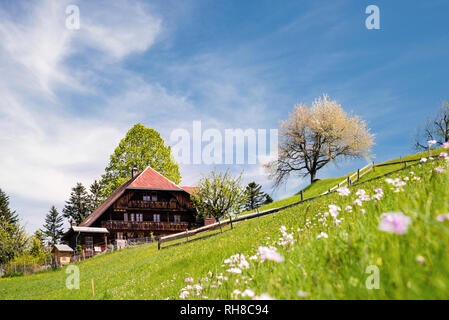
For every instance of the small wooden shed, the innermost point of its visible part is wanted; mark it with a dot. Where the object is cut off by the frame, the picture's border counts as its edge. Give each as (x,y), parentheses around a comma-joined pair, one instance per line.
(62,254)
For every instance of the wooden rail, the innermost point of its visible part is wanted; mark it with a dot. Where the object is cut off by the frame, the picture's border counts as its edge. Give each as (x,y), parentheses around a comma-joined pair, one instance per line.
(219,225)
(144,225)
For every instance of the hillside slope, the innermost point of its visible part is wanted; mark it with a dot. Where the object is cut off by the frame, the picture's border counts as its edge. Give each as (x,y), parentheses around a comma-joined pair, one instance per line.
(318,256)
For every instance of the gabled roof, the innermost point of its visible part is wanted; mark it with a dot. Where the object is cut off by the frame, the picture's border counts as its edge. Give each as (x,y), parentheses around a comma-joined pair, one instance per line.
(62,248)
(148,179)
(188,189)
(153,180)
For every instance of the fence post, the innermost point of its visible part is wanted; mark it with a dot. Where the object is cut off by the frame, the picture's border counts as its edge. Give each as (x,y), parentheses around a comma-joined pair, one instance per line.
(349,181)
(302,195)
(159,244)
(405,164)
(374,168)
(187,233)
(230,219)
(358,174)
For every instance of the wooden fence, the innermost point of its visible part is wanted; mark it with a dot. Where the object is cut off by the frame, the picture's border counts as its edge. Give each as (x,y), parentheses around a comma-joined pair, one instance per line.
(351,180)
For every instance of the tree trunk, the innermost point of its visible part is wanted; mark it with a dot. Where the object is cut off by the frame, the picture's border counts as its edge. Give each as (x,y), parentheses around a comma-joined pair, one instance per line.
(312,176)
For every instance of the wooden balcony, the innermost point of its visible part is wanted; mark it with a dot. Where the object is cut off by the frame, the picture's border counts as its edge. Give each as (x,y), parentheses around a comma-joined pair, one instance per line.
(140,226)
(139,204)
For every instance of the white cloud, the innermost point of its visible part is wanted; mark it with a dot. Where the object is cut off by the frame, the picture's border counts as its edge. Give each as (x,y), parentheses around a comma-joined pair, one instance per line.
(46,145)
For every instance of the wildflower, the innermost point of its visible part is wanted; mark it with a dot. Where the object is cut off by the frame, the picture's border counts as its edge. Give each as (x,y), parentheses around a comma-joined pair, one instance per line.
(358,202)
(271,253)
(302,294)
(442,155)
(378,196)
(423,160)
(264,296)
(431,142)
(360,192)
(248,293)
(438,169)
(234,270)
(337,222)
(348,208)
(363,211)
(189,279)
(184,294)
(322,235)
(420,259)
(443,217)
(394,222)
(446,145)
(333,210)
(343,191)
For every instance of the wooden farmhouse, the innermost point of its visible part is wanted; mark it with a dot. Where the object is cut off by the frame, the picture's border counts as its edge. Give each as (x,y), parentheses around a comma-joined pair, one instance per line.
(147,205)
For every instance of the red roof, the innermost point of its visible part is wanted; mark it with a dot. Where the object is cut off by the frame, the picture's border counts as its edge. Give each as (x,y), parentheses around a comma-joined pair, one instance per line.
(151,179)
(189,189)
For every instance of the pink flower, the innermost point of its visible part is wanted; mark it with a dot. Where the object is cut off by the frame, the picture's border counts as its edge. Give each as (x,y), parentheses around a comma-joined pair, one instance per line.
(446,145)
(189,279)
(333,210)
(264,296)
(184,294)
(443,217)
(358,202)
(438,169)
(442,155)
(423,160)
(348,208)
(234,270)
(431,142)
(360,192)
(271,253)
(394,222)
(343,191)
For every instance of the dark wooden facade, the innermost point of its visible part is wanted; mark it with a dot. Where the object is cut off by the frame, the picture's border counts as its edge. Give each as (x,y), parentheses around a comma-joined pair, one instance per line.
(144,213)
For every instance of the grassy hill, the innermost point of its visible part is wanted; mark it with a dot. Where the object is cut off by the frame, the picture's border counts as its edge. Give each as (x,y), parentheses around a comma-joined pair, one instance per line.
(337,265)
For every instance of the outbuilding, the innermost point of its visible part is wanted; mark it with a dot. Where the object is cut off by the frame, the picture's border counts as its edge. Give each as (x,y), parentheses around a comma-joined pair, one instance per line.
(62,254)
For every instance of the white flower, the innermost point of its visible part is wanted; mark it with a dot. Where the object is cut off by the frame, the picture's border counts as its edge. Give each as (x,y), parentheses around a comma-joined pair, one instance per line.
(348,208)
(264,296)
(248,293)
(343,191)
(322,235)
(271,253)
(302,294)
(184,294)
(234,270)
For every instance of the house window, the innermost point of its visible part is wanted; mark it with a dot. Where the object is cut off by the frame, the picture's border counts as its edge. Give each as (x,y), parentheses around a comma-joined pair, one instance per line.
(139,217)
(132,217)
(150,196)
(157,218)
(125,217)
(89,241)
(177,218)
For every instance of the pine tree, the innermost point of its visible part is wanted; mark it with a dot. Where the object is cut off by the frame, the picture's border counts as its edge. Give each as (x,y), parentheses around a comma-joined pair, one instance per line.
(255,197)
(268,199)
(77,207)
(6,214)
(95,197)
(53,226)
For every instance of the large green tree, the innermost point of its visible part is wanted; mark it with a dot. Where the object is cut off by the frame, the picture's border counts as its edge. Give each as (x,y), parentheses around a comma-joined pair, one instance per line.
(96,195)
(6,214)
(13,239)
(78,206)
(53,226)
(141,147)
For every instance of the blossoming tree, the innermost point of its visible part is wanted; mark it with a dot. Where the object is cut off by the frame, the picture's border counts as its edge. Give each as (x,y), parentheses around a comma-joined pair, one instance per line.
(218,195)
(314,136)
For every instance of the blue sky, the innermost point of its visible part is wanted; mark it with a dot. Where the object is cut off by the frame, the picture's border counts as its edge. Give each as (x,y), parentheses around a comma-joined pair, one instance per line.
(69,96)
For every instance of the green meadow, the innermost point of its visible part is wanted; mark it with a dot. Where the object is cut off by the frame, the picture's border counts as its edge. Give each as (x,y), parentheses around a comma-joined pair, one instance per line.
(322,259)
